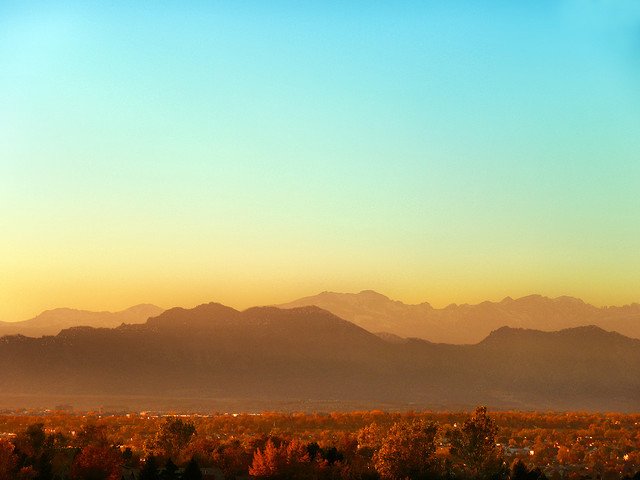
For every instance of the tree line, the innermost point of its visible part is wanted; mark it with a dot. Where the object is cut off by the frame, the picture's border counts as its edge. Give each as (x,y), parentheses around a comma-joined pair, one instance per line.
(360,445)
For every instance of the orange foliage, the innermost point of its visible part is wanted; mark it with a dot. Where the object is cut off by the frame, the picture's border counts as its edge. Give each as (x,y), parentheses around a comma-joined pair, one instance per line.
(97,463)
(8,460)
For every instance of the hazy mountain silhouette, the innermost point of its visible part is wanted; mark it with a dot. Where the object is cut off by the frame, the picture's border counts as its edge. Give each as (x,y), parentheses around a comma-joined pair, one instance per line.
(465,323)
(306,355)
(51,322)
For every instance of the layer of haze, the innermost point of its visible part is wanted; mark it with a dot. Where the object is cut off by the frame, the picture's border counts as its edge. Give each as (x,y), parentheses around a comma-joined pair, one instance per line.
(255,152)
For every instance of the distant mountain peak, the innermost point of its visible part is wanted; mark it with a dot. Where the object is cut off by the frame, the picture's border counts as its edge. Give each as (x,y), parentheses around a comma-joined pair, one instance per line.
(541,299)
(373,295)
(533,298)
(75,331)
(569,300)
(142,307)
(587,334)
(51,322)
(471,323)
(199,315)
(581,329)
(593,331)
(66,310)
(304,309)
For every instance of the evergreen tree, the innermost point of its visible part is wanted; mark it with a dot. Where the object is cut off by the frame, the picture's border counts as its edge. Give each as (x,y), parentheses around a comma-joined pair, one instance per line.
(519,471)
(170,471)
(150,469)
(192,472)
(44,467)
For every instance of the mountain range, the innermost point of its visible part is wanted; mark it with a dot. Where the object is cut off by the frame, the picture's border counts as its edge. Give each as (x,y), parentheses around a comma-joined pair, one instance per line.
(51,322)
(468,324)
(455,324)
(304,357)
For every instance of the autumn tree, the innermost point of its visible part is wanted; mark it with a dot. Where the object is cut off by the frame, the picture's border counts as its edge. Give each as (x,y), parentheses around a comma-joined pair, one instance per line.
(92,434)
(267,462)
(474,445)
(31,442)
(298,460)
(288,460)
(232,458)
(407,452)
(34,447)
(174,435)
(369,439)
(519,471)
(96,462)
(27,473)
(8,461)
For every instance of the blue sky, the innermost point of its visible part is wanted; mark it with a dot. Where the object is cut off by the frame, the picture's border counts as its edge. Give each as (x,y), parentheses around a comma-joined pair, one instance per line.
(252,152)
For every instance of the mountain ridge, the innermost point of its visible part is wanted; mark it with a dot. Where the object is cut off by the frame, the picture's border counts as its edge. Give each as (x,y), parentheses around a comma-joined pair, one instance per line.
(307,356)
(52,321)
(470,323)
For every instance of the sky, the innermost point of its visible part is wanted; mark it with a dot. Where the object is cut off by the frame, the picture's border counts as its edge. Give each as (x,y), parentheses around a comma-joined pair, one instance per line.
(252,152)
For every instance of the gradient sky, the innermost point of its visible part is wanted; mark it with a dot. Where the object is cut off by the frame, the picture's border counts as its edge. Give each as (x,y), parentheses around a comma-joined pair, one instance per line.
(255,152)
